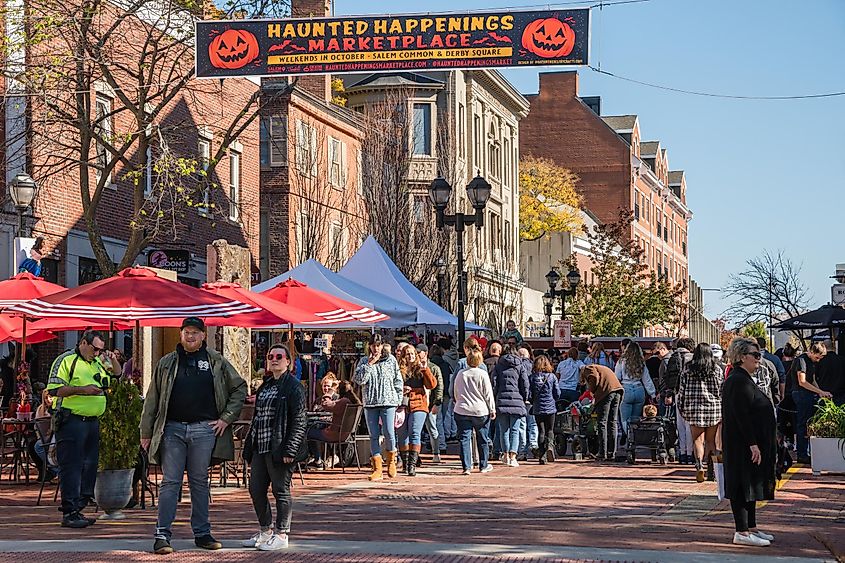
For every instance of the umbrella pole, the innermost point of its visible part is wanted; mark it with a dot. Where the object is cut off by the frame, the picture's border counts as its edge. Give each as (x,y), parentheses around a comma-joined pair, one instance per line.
(136,350)
(291,346)
(109,344)
(23,340)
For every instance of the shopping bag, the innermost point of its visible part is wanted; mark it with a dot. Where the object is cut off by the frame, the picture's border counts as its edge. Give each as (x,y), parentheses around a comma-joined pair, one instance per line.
(719,470)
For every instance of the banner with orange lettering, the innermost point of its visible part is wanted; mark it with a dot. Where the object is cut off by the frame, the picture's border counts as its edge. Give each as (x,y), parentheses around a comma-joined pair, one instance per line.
(388,43)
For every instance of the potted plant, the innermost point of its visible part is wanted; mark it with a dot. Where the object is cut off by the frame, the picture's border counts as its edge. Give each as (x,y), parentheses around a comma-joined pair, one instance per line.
(827,438)
(119,447)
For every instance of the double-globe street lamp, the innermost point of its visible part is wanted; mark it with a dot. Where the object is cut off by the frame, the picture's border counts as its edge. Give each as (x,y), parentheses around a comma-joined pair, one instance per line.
(478,192)
(22,191)
(553,277)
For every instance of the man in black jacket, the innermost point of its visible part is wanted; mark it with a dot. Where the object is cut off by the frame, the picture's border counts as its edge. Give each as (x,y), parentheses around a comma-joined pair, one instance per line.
(670,379)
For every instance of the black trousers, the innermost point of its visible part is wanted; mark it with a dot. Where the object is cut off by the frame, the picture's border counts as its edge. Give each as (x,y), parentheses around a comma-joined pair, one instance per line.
(607,415)
(745,514)
(265,474)
(78,451)
(545,432)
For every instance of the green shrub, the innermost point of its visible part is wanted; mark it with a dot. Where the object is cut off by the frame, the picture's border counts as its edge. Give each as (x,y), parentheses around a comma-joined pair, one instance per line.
(119,436)
(829,421)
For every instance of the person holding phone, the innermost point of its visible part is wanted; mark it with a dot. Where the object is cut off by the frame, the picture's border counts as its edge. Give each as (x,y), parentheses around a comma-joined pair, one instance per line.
(749,443)
(382,388)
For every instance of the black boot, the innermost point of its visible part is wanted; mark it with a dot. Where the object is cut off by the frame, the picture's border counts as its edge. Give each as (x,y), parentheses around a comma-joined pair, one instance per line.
(404,457)
(412,463)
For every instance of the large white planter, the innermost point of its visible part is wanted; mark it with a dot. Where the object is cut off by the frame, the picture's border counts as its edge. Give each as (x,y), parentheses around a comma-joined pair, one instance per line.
(827,454)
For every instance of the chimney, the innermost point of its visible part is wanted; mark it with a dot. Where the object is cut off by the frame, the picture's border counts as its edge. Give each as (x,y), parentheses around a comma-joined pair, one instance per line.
(319,85)
(559,84)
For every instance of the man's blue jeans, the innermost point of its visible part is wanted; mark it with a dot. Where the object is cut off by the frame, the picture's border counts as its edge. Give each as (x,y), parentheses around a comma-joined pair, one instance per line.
(185,447)
(805,404)
(528,434)
(466,424)
(385,416)
(509,431)
(77,450)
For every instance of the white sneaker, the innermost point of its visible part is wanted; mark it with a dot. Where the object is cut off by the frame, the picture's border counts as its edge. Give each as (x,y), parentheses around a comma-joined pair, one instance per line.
(504,459)
(513,463)
(750,539)
(275,543)
(258,539)
(768,537)
(466,472)
(436,458)
(487,468)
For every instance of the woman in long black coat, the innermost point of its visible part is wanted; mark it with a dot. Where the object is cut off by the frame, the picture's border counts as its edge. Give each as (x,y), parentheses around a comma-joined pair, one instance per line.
(748,443)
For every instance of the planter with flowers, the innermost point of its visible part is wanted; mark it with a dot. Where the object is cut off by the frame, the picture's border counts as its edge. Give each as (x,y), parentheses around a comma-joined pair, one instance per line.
(827,438)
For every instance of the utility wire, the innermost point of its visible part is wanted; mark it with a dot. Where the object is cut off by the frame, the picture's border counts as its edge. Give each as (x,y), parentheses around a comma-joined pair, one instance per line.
(713,94)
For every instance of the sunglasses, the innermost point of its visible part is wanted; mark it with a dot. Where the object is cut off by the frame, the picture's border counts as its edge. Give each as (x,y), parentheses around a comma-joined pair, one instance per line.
(757,355)
(97,350)
(276,357)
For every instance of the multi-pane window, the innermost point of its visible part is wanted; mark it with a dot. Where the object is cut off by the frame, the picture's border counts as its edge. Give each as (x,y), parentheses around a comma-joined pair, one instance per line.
(477,134)
(234,185)
(506,170)
(636,205)
(274,141)
(359,180)
(105,129)
(306,149)
(336,243)
(462,131)
(337,162)
(422,130)
(204,158)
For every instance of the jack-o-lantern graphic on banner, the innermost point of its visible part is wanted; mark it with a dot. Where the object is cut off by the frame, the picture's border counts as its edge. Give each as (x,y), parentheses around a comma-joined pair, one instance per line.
(234,48)
(548,38)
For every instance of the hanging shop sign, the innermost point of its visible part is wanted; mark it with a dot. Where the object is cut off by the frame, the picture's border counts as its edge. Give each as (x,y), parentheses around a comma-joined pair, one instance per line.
(389,43)
(178,261)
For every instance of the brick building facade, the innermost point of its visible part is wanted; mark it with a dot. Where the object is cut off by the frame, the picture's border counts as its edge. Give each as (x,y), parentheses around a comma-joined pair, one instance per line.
(617,170)
(191,125)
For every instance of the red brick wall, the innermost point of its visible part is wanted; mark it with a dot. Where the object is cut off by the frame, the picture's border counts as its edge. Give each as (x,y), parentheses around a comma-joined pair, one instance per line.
(561,128)
(203,104)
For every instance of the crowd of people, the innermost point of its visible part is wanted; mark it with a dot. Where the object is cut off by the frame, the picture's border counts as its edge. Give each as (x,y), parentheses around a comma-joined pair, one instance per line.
(744,408)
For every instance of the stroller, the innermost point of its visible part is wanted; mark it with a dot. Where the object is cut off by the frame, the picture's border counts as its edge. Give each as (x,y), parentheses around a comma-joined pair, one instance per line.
(658,433)
(574,424)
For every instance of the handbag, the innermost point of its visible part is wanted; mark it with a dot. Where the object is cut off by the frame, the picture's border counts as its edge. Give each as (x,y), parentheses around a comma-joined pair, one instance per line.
(399,418)
(719,470)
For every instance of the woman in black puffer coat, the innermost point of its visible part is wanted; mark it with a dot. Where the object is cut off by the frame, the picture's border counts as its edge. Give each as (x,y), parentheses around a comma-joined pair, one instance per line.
(275,444)
(510,386)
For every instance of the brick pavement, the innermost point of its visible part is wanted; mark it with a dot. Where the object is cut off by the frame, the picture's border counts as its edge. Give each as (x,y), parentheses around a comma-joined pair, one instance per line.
(614,506)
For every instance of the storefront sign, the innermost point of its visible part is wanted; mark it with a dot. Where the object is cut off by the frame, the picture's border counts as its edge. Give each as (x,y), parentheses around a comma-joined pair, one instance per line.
(388,43)
(178,261)
(563,334)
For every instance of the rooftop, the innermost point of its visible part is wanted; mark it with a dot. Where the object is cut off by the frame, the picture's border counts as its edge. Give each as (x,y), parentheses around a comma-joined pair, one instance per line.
(675,177)
(648,149)
(620,122)
(394,79)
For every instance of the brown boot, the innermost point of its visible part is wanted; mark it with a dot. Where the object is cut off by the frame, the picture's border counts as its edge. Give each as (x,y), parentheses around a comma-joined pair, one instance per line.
(376,475)
(390,458)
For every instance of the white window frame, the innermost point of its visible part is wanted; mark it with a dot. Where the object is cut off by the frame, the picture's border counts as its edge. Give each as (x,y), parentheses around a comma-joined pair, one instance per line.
(359,180)
(103,107)
(204,162)
(428,131)
(234,185)
(337,163)
(306,149)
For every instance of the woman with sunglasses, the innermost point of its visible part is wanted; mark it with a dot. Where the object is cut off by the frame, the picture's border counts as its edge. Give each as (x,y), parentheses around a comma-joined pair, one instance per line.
(273,447)
(748,442)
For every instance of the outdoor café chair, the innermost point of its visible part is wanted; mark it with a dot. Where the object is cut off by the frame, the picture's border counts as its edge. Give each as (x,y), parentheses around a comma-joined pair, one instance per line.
(347,435)
(44,431)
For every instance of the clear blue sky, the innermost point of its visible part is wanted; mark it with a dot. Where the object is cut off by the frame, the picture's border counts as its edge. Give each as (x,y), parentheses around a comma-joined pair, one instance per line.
(760,174)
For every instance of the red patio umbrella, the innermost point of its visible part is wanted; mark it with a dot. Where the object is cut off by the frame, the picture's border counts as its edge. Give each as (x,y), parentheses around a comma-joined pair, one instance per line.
(14,291)
(327,307)
(133,294)
(273,313)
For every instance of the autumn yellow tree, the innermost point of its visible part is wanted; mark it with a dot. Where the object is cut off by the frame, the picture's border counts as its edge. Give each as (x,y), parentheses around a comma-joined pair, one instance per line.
(548,201)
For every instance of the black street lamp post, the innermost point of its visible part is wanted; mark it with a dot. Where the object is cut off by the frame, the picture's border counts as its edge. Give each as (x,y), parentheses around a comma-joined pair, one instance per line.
(553,277)
(440,264)
(548,303)
(478,192)
(22,191)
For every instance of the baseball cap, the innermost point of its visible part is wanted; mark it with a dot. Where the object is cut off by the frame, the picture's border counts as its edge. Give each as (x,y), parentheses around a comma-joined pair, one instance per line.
(422,347)
(195,322)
